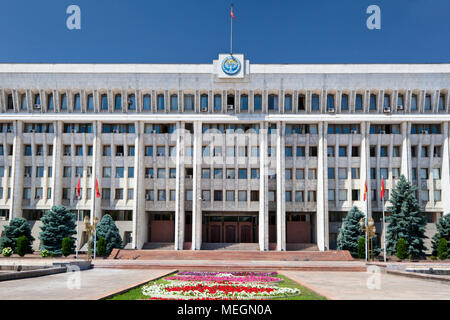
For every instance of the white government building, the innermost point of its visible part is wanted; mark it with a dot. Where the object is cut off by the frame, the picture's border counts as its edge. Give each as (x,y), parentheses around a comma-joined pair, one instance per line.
(177,149)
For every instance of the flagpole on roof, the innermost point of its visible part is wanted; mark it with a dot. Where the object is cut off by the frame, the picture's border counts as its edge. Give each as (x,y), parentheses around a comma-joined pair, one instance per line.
(231,32)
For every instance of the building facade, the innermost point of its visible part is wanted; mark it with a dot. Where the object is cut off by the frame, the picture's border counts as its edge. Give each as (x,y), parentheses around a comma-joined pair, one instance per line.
(228,152)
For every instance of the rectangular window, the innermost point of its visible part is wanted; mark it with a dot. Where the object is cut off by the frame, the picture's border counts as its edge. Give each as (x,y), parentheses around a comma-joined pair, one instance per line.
(299,196)
(315,102)
(342,173)
(257,102)
(242,173)
(119,172)
(146,106)
(255,173)
(331,194)
(188,102)
(206,174)
(331,174)
(130,172)
(106,172)
(230,195)
(359,102)
(217,102)
(288,102)
(344,102)
(300,151)
(273,102)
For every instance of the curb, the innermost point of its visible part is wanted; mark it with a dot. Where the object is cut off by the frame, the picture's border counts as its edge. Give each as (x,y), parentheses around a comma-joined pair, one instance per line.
(310,287)
(31,273)
(422,276)
(127,288)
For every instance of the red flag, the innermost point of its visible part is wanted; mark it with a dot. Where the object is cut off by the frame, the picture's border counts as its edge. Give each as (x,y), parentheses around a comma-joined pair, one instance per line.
(78,188)
(365,190)
(382,188)
(97,191)
(232,14)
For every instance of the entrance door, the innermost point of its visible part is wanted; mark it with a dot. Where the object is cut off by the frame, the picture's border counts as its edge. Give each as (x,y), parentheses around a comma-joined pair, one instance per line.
(246,234)
(230,233)
(215,233)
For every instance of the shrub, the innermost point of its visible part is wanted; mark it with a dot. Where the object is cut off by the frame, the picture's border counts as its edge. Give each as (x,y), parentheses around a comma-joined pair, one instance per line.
(101,247)
(44,253)
(17,227)
(67,245)
(362,248)
(432,258)
(401,249)
(7,252)
(443,249)
(22,245)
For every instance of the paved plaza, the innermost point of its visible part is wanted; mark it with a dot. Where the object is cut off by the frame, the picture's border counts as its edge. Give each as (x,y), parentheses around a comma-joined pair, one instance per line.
(94,284)
(353,286)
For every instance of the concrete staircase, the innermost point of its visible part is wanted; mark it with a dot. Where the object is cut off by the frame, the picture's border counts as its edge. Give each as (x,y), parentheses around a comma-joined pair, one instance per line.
(226,255)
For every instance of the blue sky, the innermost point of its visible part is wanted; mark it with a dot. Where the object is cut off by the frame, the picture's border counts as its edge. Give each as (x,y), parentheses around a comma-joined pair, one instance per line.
(195,31)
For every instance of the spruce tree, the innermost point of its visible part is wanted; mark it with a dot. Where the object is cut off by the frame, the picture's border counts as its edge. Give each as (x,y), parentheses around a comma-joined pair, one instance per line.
(17,227)
(443,231)
(350,232)
(57,224)
(107,229)
(405,220)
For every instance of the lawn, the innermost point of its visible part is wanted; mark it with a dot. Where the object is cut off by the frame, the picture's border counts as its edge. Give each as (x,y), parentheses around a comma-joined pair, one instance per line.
(306,294)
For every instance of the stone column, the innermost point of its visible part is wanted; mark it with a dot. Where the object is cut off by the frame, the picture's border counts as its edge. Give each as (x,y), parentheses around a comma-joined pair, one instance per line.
(263,219)
(445,176)
(17,172)
(57,164)
(196,188)
(405,167)
(96,203)
(140,227)
(281,187)
(321,196)
(365,169)
(179,200)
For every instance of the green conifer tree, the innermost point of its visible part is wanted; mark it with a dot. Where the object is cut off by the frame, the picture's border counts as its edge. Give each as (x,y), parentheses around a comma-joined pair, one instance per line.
(17,227)
(350,232)
(405,220)
(107,229)
(57,224)
(443,231)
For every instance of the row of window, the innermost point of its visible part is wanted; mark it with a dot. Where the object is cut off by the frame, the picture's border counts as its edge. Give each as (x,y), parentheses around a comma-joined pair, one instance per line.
(223,128)
(189,102)
(230,195)
(230,173)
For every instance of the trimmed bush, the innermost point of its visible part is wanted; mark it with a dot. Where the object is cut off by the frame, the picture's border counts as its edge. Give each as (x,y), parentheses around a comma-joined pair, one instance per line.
(7,252)
(101,247)
(44,253)
(362,248)
(22,245)
(67,246)
(401,249)
(443,249)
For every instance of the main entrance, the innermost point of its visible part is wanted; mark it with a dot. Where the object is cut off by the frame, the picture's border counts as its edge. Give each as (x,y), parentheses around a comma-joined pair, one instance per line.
(231,228)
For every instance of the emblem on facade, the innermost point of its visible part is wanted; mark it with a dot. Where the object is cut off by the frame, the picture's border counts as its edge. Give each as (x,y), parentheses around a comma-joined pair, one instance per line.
(231,66)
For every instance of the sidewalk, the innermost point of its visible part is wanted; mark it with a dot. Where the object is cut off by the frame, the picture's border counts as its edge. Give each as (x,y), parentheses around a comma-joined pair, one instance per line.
(94,283)
(354,286)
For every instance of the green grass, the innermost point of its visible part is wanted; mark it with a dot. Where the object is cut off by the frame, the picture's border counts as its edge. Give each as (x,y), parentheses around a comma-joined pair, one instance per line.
(306,294)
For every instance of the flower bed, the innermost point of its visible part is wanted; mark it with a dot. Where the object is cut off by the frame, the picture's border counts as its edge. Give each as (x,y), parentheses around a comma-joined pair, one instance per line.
(218,286)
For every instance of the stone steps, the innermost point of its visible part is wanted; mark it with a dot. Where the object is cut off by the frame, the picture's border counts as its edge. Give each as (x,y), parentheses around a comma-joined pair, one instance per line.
(240,255)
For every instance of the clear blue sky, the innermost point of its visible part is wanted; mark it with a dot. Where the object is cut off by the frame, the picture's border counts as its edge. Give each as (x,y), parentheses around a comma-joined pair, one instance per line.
(195,31)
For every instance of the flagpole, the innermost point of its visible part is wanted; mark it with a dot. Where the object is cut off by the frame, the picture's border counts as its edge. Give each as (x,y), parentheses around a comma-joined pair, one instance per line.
(231,33)
(367,218)
(384,233)
(78,217)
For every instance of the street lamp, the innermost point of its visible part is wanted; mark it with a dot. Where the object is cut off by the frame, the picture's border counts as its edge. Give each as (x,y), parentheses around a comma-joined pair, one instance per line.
(90,229)
(370,229)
